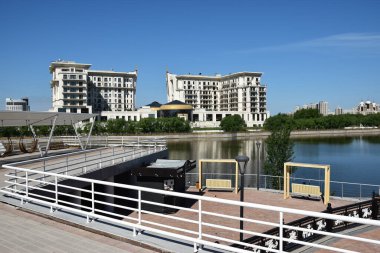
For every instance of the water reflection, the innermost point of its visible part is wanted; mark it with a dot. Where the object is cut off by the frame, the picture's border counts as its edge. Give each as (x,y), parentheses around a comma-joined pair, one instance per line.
(353,159)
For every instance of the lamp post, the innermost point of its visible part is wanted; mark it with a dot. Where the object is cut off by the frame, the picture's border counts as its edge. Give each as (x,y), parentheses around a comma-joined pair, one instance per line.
(258,145)
(242,161)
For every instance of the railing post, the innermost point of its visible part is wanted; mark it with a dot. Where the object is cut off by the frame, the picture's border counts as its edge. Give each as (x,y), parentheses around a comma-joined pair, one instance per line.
(139,212)
(67,164)
(342,190)
(15,182)
(44,162)
(113,155)
(360,189)
(281,231)
(26,184)
(100,154)
(85,162)
(199,221)
(92,198)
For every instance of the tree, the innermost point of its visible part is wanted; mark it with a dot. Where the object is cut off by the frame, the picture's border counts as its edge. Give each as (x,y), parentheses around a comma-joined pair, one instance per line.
(279,149)
(279,121)
(233,124)
(307,114)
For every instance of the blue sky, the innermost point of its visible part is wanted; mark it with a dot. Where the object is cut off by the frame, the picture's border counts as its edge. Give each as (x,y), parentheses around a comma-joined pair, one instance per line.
(308,50)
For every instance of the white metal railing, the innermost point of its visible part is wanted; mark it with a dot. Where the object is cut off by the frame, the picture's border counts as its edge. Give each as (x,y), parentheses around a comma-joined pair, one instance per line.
(81,162)
(338,188)
(195,229)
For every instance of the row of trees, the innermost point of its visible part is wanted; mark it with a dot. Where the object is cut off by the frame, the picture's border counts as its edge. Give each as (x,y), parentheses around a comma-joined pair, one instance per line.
(116,126)
(307,119)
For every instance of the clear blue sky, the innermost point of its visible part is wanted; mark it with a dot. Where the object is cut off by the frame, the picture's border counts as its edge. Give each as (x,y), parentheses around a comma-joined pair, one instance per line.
(308,50)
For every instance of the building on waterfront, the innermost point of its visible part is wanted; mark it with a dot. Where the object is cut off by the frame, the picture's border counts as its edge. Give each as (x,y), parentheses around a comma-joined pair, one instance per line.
(77,89)
(17,104)
(367,107)
(215,97)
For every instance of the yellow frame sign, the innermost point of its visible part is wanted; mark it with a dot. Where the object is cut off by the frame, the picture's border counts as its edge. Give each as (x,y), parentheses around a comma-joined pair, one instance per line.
(218,161)
(326,167)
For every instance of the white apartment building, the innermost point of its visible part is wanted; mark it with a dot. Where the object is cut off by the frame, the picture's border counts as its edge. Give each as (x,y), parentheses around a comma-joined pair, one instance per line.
(77,89)
(17,104)
(368,107)
(214,97)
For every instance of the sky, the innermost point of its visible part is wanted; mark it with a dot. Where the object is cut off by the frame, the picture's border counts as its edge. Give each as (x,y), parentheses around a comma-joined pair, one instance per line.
(308,51)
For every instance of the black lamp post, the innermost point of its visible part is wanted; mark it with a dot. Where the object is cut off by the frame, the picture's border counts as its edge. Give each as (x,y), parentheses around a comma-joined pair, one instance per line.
(258,145)
(242,161)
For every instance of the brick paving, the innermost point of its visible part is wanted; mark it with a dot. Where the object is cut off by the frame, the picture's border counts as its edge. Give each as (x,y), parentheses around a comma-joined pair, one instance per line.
(25,232)
(251,195)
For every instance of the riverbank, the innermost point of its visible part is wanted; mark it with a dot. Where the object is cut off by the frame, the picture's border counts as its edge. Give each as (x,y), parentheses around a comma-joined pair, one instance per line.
(265,134)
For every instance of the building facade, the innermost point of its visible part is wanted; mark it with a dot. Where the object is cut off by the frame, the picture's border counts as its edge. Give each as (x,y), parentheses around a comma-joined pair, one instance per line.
(77,89)
(215,97)
(367,107)
(17,104)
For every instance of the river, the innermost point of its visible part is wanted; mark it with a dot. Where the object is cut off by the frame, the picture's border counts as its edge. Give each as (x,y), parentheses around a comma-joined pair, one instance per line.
(352,159)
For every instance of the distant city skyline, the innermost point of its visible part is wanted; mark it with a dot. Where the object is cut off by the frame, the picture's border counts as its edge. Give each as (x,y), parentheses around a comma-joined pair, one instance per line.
(307,50)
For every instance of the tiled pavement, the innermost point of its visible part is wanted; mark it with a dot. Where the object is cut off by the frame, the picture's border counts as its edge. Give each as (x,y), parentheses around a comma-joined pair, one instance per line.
(25,232)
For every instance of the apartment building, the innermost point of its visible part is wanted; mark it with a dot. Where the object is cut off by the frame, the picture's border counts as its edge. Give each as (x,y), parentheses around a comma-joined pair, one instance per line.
(77,89)
(214,97)
(17,104)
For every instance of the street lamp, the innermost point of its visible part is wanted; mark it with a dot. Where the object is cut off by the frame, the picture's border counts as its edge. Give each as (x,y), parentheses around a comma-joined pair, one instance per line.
(258,145)
(242,161)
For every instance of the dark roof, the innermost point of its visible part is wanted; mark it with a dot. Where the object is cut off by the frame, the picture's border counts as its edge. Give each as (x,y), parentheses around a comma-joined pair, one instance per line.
(175,102)
(154,104)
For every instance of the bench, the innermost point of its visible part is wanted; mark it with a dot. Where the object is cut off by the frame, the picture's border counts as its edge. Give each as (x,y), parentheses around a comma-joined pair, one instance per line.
(219,184)
(306,190)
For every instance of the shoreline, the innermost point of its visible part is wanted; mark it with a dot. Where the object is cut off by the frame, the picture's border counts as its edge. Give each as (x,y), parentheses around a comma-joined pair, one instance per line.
(265,134)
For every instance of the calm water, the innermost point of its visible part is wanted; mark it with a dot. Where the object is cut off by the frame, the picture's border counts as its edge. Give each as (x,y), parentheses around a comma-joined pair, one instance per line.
(354,159)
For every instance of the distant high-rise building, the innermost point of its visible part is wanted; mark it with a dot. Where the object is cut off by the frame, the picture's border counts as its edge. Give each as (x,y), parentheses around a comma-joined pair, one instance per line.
(17,104)
(338,111)
(323,108)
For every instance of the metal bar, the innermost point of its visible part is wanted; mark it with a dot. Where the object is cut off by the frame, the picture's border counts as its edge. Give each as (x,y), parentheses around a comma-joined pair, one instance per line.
(35,138)
(281,231)
(77,135)
(89,133)
(50,135)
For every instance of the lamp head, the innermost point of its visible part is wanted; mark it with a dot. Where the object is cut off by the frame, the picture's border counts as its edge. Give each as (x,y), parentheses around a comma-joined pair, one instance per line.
(242,161)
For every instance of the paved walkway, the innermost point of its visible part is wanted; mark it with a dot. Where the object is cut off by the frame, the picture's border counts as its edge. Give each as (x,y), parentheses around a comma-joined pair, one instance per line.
(25,232)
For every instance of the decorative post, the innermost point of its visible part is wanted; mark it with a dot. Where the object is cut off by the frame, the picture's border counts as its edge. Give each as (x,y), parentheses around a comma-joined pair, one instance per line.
(258,144)
(242,161)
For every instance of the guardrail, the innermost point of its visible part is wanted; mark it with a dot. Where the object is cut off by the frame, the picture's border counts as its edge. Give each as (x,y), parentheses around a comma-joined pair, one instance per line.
(201,228)
(338,188)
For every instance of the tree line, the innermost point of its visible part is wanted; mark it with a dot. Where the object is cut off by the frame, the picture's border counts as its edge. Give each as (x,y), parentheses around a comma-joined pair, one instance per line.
(311,119)
(113,126)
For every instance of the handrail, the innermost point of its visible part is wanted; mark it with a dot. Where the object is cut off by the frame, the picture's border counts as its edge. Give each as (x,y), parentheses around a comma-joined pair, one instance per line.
(26,194)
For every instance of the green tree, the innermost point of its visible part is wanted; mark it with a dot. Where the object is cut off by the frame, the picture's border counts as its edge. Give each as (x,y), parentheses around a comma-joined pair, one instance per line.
(279,150)
(307,114)
(279,121)
(233,124)
(116,126)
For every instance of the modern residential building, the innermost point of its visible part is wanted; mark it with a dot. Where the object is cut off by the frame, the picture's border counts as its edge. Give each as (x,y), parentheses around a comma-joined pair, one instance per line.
(322,107)
(367,107)
(17,104)
(214,97)
(338,111)
(77,89)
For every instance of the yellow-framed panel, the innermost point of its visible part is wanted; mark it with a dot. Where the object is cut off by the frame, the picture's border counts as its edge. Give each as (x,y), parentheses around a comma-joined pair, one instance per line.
(218,161)
(325,167)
